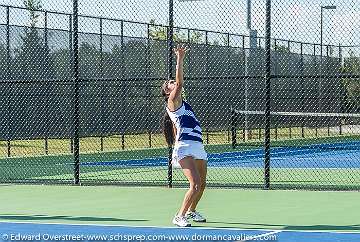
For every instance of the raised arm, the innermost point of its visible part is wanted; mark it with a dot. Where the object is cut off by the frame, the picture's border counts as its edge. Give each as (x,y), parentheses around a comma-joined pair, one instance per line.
(175,99)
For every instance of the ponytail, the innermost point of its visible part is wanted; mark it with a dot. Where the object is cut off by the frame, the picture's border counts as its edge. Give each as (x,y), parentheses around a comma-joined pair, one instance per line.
(168,130)
(167,124)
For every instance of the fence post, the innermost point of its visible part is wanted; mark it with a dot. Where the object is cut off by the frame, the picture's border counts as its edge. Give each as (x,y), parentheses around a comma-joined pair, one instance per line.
(342,101)
(47,116)
(259,134)
(71,145)
(302,88)
(316,124)
(290,132)
(102,89)
(8,76)
(268,95)
(170,39)
(148,83)
(170,42)
(71,61)
(122,84)
(123,139)
(76,80)
(149,131)
(233,124)
(207,135)
(169,176)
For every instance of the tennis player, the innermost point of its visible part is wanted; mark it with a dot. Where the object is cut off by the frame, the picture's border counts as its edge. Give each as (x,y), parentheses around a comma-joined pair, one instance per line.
(182,130)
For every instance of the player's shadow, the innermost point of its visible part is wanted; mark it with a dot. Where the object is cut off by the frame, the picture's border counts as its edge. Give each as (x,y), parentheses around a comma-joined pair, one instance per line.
(317,227)
(41,217)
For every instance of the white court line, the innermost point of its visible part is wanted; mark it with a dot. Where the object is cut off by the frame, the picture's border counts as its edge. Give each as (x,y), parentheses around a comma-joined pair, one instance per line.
(195,228)
(260,235)
(134,226)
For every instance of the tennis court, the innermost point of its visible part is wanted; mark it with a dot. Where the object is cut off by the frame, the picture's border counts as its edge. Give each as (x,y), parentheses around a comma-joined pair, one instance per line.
(326,157)
(275,88)
(36,231)
(308,162)
(102,213)
(332,160)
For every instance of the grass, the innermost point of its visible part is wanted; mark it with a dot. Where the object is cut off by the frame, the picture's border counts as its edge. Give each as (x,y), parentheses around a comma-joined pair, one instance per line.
(133,142)
(29,161)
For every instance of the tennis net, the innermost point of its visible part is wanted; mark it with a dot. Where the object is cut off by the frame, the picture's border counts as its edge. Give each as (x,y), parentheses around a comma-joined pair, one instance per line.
(297,129)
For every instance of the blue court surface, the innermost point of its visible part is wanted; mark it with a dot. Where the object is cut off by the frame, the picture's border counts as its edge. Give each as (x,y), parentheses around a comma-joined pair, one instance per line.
(62,232)
(333,155)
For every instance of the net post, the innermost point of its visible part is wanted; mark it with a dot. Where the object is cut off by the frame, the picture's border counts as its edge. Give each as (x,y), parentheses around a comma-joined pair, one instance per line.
(233,128)
(268,96)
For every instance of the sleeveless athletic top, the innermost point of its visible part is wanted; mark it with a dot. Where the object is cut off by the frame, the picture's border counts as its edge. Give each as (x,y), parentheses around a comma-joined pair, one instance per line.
(187,125)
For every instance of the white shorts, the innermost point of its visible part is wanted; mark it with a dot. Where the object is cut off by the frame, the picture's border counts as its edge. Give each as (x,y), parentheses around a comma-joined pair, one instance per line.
(186,148)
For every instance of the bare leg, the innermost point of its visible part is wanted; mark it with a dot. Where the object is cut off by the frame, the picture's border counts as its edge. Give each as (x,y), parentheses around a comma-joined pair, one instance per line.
(201,166)
(190,171)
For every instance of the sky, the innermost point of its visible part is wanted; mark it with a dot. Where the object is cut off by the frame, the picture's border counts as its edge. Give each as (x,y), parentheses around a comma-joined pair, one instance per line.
(297,20)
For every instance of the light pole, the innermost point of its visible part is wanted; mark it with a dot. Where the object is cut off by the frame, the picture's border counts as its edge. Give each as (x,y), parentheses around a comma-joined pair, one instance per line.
(329,7)
(248,57)
(321,24)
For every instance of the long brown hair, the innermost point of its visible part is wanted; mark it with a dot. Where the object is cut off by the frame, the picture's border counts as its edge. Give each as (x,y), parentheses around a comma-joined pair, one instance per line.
(167,124)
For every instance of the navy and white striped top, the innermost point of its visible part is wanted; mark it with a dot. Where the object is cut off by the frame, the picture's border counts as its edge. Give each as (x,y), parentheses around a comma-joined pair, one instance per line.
(187,125)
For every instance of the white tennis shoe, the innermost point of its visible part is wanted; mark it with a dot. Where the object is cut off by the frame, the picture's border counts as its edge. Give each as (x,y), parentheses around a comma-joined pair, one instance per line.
(195,216)
(181,221)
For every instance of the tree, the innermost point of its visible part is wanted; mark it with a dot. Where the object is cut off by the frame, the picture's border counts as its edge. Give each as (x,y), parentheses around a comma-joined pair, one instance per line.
(89,57)
(160,33)
(33,6)
(62,64)
(283,60)
(281,48)
(352,86)
(3,62)
(33,60)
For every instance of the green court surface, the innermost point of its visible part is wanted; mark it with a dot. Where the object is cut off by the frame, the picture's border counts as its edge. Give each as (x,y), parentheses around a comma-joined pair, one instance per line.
(338,171)
(155,206)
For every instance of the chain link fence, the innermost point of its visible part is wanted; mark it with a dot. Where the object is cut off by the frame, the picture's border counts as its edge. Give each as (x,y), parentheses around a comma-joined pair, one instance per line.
(275,85)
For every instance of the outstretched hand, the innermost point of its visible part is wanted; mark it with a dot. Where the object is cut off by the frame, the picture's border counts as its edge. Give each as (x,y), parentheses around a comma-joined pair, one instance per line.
(180,51)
